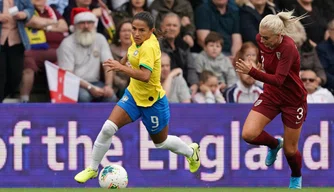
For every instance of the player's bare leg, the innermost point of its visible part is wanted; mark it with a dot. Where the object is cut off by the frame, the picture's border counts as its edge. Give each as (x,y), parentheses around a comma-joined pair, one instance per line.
(176,145)
(253,133)
(117,119)
(293,156)
(254,126)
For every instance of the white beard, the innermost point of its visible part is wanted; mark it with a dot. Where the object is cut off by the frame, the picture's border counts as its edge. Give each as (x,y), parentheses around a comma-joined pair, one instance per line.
(85,38)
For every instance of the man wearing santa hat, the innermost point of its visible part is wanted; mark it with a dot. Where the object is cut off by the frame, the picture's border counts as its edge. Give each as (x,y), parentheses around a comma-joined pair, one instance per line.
(83,53)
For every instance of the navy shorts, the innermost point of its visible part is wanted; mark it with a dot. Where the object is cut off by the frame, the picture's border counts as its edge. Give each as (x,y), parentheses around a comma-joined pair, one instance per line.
(155,117)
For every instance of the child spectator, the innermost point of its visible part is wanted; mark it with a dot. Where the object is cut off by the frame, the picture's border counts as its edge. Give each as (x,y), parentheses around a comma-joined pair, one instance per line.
(212,59)
(245,89)
(209,89)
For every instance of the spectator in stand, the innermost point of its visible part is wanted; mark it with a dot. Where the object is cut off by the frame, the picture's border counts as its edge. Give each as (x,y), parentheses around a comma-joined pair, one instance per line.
(178,50)
(88,4)
(173,82)
(251,13)
(308,56)
(285,4)
(245,89)
(220,16)
(119,48)
(60,5)
(114,4)
(45,31)
(83,53)
(212,59)
(196,3)
(183,9)
(108,3)
(316,94)
(122,39)
(314,22)
(13,42)
(326,7)
(129,9)
(326,54)
(209,89)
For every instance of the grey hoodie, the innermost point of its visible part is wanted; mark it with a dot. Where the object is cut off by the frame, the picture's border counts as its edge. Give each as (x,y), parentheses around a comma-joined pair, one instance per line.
(220,66)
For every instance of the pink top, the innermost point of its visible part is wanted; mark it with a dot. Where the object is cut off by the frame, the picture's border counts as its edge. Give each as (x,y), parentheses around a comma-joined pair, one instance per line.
(9,29)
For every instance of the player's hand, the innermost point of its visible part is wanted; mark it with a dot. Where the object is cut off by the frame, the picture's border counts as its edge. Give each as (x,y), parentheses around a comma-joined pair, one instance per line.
(20,15)
(96,91)
(244,66)
(108,91)
(113,65)
(4,18)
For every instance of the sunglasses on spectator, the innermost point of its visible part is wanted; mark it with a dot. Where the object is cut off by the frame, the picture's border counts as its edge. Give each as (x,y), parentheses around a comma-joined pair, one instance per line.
(308,79)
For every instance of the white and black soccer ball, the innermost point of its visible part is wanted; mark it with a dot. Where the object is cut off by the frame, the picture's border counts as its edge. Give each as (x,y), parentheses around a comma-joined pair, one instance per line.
(113,177)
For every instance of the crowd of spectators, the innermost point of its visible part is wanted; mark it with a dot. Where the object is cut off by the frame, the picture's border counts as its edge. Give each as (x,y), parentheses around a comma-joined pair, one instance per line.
(201,41)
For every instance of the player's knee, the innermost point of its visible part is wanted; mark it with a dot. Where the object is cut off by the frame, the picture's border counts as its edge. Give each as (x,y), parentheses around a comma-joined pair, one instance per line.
(161,145)
(109,128)
(290,150)
(248,136)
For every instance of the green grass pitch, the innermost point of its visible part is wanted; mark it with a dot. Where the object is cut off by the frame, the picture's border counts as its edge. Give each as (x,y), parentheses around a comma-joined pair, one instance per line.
(259,189)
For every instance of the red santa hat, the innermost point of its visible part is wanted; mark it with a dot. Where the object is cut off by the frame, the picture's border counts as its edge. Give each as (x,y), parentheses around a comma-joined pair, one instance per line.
(80,14)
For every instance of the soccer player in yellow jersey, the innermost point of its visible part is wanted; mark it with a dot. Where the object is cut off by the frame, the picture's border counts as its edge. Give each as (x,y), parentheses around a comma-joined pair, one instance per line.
(144,98)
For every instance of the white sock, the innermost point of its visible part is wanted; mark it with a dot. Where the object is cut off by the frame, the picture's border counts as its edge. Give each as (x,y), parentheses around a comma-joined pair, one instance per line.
(176,145)
(102,143)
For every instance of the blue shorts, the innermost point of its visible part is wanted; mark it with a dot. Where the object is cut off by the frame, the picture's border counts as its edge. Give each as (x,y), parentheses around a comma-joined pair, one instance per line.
(155,118)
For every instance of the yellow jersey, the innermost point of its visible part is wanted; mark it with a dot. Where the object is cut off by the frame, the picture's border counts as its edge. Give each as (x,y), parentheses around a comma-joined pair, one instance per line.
(147,55)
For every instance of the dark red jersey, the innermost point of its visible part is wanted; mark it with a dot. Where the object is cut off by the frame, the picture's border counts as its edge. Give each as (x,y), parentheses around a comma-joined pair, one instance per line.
(281,76)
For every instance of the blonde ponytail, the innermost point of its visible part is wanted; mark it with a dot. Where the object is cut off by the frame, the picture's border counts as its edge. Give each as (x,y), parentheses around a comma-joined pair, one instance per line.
(281,23)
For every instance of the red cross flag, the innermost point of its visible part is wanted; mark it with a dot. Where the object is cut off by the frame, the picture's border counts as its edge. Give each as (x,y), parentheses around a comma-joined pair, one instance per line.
(63,85)
(108,23)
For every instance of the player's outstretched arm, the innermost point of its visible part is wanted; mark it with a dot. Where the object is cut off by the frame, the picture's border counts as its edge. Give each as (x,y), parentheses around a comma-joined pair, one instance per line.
(247,67)
(276,79)
(143,74)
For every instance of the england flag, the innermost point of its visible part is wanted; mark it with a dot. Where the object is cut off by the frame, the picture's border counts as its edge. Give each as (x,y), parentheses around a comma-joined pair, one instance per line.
(63,85)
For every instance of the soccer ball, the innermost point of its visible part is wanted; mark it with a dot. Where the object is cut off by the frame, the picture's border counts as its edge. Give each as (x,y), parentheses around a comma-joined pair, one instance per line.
(113,177)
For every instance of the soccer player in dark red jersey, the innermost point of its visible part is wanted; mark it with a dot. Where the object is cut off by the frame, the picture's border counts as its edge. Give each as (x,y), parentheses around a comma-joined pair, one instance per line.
(283,93)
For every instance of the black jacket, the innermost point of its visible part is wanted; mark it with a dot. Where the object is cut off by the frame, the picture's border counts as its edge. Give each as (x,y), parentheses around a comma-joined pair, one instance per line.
(250,20)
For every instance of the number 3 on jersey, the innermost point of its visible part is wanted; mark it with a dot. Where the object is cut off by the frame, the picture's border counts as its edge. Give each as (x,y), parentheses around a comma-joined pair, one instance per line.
(300,113)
